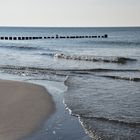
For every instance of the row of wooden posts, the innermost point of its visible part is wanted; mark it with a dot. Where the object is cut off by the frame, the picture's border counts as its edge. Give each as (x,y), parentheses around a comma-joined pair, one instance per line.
(51,37)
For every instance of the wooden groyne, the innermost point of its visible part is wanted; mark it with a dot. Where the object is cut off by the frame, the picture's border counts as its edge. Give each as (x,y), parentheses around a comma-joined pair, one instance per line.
(50,37)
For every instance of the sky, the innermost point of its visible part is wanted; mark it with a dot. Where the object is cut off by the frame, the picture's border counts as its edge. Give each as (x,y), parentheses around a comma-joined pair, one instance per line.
(70,13)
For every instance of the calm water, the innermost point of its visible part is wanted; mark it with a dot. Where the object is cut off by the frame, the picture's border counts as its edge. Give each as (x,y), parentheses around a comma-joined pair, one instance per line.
(102,75)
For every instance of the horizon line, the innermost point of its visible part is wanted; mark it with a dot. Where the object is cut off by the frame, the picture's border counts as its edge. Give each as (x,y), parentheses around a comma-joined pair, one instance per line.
(18,26)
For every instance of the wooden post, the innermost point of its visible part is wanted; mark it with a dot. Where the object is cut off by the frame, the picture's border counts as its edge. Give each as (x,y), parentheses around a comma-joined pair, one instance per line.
(57,36)
(6,38)
(15,38)
(106,36)
(19,38)
(2,38)
(10,38)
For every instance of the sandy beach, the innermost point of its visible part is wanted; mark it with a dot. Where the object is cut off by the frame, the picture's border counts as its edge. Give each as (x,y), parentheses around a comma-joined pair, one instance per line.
(23,107)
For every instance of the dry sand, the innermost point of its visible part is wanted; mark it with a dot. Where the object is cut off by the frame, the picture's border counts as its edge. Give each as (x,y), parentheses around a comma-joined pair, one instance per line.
(23,107)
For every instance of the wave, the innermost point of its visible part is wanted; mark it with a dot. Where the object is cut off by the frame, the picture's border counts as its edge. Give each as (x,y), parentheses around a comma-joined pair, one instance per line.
(13,67)
(28,70)
(77,109)
(20,47)
(83,71)
(135,79)
(47,54)
(89,71)
(119,43)
(120,121)
(121,60)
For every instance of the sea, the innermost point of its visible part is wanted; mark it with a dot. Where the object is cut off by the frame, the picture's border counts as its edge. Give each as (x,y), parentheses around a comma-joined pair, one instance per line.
(100,76)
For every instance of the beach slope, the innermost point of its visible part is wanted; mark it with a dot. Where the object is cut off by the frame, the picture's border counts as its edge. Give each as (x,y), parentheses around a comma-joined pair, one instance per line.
(23,107)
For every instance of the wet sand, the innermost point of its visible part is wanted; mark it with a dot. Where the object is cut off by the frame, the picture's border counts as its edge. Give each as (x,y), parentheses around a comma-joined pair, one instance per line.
(23,107)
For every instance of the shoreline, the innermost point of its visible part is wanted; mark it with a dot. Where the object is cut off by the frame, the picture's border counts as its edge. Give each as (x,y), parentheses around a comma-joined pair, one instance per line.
(23,108)
(61,125)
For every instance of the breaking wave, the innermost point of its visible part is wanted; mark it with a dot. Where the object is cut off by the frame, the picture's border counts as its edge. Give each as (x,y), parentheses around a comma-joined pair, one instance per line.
(78,106)
(65,70)
(111,59)
(111,120)
(135,79)
(68,71)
